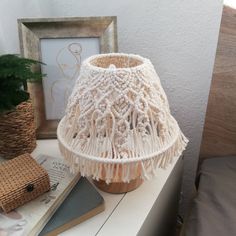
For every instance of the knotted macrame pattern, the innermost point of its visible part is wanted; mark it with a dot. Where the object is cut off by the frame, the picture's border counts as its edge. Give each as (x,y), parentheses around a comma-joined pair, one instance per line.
(118,124)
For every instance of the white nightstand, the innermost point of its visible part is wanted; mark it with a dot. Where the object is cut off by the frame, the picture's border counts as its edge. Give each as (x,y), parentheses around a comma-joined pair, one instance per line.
(149,210)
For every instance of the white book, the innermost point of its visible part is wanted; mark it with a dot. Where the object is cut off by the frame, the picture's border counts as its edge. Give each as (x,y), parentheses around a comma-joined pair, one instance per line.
(30,219)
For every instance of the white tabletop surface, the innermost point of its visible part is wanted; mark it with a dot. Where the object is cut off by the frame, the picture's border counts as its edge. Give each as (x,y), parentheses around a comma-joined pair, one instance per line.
(124,213)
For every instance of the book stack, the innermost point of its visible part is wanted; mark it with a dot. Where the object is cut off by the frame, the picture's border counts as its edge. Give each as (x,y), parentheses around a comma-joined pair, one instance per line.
(72,199)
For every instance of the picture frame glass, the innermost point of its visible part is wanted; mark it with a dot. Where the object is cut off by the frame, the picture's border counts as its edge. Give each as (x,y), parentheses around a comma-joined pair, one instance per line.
(63,58)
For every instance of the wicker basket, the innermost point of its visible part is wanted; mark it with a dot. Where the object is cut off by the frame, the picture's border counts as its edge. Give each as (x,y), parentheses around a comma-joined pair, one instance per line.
(21,180)
(17,131)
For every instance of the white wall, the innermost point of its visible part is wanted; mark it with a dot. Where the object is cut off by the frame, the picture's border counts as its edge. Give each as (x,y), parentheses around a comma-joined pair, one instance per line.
(179,36)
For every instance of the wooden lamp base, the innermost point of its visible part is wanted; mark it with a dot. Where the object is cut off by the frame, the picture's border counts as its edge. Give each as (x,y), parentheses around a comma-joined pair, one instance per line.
(118,187)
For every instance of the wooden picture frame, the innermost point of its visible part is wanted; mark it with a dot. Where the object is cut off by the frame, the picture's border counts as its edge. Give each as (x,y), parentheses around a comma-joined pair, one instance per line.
(33,32)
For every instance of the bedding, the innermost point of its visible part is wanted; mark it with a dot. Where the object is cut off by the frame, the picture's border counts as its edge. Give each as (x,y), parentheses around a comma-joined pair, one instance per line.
(213,211)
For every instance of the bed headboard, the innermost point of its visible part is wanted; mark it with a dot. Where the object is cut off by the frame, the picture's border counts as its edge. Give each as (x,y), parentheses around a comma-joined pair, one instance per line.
(219,135)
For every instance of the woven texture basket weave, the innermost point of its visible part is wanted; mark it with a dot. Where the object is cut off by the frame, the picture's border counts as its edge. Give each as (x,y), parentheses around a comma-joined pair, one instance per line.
(17,131)
(21,180)
(118,125)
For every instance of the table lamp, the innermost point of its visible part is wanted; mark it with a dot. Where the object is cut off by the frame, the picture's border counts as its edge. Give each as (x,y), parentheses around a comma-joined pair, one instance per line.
(118,127)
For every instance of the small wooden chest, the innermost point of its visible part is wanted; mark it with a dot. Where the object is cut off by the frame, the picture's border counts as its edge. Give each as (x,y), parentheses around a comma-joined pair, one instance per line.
(21,180)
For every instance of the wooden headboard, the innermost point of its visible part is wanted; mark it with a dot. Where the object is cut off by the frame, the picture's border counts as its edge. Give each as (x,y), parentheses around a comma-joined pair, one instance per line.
(219,135)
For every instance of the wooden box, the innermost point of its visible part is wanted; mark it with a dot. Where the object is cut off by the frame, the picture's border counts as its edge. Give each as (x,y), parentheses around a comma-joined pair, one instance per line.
(21,180)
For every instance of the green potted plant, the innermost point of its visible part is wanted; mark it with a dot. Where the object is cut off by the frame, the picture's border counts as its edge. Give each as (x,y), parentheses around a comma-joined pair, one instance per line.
(17,126)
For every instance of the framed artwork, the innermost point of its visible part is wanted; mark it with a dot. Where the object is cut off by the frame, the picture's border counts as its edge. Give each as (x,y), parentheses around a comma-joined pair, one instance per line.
(62,44)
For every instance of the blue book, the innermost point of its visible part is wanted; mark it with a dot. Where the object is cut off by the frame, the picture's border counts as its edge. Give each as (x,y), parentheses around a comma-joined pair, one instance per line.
(83,202)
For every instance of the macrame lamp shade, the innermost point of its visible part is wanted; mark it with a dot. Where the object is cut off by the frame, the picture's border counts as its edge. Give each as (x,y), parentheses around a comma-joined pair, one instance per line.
(118,127)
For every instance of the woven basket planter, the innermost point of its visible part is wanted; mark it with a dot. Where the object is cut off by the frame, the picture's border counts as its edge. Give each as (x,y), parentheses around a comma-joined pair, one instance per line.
(17,131)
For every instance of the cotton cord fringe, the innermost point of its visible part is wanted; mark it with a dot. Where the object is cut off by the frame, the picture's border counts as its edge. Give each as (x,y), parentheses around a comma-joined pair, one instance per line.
(118,125)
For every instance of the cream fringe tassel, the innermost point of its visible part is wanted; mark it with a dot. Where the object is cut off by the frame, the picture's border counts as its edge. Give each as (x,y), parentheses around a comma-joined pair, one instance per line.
(103,168)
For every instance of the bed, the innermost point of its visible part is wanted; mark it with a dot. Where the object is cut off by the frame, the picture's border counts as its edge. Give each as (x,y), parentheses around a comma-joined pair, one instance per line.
(213,208)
